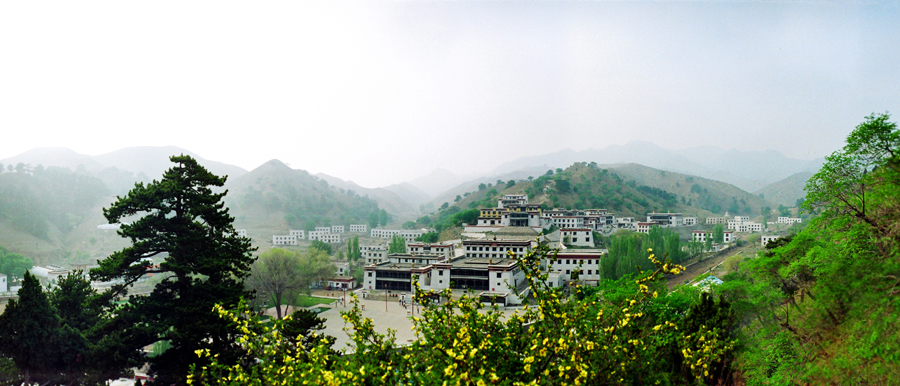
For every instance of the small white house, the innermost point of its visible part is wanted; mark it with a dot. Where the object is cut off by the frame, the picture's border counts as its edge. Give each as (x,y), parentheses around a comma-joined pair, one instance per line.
(358,228)
(4,286)
(766,239)
(337,229)
(284,240)
(298,233)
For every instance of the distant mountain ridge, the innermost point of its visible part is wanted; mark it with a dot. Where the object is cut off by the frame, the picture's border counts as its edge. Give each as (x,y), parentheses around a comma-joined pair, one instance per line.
(787,191)
(748,170)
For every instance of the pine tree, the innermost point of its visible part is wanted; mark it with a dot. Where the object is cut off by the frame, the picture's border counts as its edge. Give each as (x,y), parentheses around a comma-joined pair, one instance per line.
(30,331)
(205,263)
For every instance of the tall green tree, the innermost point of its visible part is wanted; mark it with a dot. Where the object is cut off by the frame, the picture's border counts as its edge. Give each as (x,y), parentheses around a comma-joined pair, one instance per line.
(181,218)
(718,234)
(397,244)
(383,217)
(30,332)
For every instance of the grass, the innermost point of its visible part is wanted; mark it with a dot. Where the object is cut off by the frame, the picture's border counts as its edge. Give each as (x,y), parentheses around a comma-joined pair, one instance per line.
(309,301)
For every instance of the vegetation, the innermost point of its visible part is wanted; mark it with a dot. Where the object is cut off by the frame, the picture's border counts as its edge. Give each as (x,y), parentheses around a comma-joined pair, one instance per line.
(627,252)
(280,274)
(13,265)
(397,244)
(205,264)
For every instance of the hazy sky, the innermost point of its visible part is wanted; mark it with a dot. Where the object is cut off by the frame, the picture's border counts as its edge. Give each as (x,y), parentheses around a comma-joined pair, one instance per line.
(381,92)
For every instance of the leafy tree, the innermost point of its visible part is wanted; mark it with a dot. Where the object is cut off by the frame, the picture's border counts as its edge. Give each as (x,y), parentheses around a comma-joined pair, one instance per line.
(373,220)
(321,245)
(274,275)
(397,244)
(445,205)
(30,332)
(765,212)
(430,237)
(353,253)
(482,186)
(14,265)
(718,234)
(510,184)
(205,263)
(563,186)
(383,217)
(458,198)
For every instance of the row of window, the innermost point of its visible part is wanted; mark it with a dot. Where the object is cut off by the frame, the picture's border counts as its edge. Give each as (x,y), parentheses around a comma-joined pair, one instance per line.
(586,261)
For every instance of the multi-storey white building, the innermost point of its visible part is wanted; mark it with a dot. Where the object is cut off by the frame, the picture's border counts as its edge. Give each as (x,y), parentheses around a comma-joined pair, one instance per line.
(742,218)
(748,227)
(666,219)
(727,236)
(688,221)
(409,235)
(323,229)
(567,221)
(241,232)
(644,227)
(582,237)
(331,238)
(358,228)
(337,229)
(373,254)
(314,235)
(284,240)
(569,260)
(446,250)
(789,220)
(766,239)
(717,220)
(298,233)
(512,199)
(4,286)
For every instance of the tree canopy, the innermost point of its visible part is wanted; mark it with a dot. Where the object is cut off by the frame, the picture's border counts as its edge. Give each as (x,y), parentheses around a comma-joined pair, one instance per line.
(205,261)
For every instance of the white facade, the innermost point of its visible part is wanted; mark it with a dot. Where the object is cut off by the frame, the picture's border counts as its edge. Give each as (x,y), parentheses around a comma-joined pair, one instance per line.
(512,199)
(699,236)
(587,261)
(323,229)
(688,221)
(337,229)
(241,232)
(666,219)
(717,220)
(373,254)
(789,220)
(644,227)
(314,235)
(748,227)
(582,237)
(446,250)
(567,221)
(331,238)
(766,239)
(728,236)
(358,228)
(4,286)
(742,218)
(343,269)
(299,234)
(409,235)
(284,240)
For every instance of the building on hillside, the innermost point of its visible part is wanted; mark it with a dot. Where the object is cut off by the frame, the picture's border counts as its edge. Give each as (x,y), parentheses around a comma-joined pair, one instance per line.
(496,249)
(512,199)
(337,229)
(789,220)
(727,236)
(408,234)
(689,221)
(625,223)
(666,219)
(582,237)
(331,238)
(717,220)
(766,239)
(446,249)
(700,236)
(49,273)
(4,286)
(644,227)
(323,229)
(298,233)
(314,235)
(284,240)
(241,232)
(373,254)
(358,228)
(749,227)
(588,261)
(567,221)
(742,218)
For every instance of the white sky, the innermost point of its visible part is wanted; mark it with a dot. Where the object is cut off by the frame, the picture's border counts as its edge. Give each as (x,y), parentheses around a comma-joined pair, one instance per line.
(382,92)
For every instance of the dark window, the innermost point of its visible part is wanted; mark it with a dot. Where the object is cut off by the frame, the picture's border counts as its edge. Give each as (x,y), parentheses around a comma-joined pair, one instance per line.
(440,273)
(498,275)
(370,274)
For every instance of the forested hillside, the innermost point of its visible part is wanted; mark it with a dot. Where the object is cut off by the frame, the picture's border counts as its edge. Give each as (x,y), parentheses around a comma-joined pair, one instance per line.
(274,198)
(710,195)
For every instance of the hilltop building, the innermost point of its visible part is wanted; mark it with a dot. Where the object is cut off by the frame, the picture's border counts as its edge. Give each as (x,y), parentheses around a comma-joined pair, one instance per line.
(358,228)
(284,240)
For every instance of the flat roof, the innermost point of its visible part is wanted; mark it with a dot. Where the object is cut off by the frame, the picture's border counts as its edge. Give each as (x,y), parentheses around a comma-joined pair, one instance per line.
(482,262)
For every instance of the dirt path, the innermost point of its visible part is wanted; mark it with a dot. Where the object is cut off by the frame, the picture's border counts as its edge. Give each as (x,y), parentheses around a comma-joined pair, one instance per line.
(696,269)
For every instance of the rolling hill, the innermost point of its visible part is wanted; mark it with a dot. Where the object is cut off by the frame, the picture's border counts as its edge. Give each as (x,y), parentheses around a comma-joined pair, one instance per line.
(787,191)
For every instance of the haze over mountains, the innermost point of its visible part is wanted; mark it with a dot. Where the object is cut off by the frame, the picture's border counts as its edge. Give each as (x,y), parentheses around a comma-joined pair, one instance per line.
(751,171)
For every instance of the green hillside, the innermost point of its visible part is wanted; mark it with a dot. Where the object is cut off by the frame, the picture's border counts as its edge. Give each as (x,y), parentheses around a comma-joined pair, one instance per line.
(274,198)
(701,193)
(787,191)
